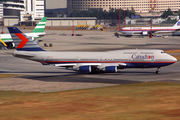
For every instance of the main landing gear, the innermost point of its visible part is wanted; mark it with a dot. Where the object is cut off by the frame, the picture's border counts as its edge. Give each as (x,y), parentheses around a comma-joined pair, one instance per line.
(158,70)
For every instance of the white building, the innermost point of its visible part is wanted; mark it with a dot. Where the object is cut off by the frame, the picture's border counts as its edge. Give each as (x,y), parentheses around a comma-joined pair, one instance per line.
(140,6)
(33,9)
(173,17)
(26,9)
(1,10)
(12,7)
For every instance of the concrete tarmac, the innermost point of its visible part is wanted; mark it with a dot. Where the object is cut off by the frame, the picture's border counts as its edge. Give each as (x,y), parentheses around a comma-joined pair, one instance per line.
(36,77)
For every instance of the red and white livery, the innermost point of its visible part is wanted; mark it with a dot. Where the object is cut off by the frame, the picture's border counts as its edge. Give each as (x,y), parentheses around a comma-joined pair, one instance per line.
(130,31)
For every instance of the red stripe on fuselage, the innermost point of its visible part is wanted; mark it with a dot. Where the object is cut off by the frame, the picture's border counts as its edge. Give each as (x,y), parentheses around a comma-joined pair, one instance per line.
(147,30)
(23,38)
(155,62)
(108,62)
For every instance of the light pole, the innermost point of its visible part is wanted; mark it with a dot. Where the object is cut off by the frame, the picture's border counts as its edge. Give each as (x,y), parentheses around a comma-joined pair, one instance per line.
(73,26)
(2,25)
(150,36)
(119,18)
(124,13)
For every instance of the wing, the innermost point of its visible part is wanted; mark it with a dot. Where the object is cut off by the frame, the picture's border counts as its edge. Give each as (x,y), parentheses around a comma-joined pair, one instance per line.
(90,64)
(79,64)
(128,34)
(165,31)
(93,67)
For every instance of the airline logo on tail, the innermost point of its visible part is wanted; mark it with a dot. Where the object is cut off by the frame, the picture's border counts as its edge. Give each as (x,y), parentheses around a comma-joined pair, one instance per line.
(37,32)
(3,42)
(178,24)
(40,26)
(22,42)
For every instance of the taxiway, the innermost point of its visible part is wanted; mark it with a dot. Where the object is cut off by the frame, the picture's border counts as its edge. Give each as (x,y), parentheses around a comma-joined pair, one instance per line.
(36,77)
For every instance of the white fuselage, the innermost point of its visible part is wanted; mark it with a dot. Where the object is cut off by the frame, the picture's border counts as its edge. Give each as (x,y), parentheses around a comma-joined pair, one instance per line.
(7,37)
(141,30)
(130,58)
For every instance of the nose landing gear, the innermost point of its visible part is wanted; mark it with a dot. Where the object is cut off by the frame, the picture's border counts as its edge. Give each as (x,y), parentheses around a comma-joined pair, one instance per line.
(158,70)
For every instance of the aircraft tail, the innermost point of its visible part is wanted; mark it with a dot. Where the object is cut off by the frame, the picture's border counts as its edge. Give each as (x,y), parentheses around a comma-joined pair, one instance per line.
(3,42)
(177,24)
(22,42)
(40,26)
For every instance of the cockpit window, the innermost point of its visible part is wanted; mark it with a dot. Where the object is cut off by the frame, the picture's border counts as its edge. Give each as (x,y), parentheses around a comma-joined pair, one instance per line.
(163,52)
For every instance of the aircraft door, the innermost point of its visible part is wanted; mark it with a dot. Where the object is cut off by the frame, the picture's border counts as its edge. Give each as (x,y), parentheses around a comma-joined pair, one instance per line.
(77,59)
(101,59)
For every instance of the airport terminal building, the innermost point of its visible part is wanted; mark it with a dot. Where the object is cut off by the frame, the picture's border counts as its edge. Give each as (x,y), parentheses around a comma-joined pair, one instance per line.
(140,6)
(26,9)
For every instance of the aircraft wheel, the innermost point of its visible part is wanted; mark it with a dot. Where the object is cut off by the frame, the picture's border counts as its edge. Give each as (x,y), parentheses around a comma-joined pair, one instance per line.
(158,71)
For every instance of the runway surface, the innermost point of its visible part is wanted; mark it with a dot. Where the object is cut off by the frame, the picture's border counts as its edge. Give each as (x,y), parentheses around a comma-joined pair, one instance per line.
(36,77)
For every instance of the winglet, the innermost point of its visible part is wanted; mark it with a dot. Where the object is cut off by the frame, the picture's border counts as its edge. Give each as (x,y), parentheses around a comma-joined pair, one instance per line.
(22,42)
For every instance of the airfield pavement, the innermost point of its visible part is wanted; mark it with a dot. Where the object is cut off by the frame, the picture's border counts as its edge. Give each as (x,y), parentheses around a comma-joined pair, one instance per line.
(35,77)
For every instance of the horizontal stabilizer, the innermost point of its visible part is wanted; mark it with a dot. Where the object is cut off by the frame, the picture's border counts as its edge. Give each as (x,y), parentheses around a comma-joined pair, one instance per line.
(23,55)
(122,64)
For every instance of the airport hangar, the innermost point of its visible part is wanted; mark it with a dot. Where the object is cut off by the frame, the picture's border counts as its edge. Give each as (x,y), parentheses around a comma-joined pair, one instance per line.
(51,21)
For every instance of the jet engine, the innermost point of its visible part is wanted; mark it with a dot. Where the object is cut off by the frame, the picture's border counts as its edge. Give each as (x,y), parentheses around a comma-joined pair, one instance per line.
(83,69)
(145,33)
(10,45)
(108,69)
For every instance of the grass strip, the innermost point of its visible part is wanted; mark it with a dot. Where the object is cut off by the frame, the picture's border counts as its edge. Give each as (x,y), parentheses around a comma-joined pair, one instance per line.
(150,100)
(7,75)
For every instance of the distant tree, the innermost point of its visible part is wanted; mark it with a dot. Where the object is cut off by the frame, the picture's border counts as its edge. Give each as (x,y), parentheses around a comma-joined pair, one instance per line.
(127,13)
(106,15)
(169,19)
(100,14)
(75,13)
(132,11)
(167,13)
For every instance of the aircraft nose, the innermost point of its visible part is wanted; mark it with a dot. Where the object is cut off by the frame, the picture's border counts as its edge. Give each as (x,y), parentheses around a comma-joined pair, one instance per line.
(174,59)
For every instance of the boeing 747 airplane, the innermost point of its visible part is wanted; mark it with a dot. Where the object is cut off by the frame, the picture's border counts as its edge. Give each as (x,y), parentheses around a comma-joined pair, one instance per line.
(36,33)
(130,31)
(87,62)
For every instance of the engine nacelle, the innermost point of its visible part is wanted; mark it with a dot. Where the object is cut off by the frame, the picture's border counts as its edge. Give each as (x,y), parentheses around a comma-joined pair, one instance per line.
(111,69)
(10,45)
(145,33)
(108,69)
(83,69)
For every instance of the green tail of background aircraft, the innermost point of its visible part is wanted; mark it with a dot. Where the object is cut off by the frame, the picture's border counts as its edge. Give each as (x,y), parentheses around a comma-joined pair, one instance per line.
(37,32)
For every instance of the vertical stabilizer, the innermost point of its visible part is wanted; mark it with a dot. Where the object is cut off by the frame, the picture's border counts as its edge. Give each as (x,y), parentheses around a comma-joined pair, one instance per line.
(22,42)
(177,24)
(40,26)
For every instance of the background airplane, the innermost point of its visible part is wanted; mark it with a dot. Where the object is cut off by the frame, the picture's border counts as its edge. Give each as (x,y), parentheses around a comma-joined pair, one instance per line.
(87,62)
(37,32)
(130,31)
